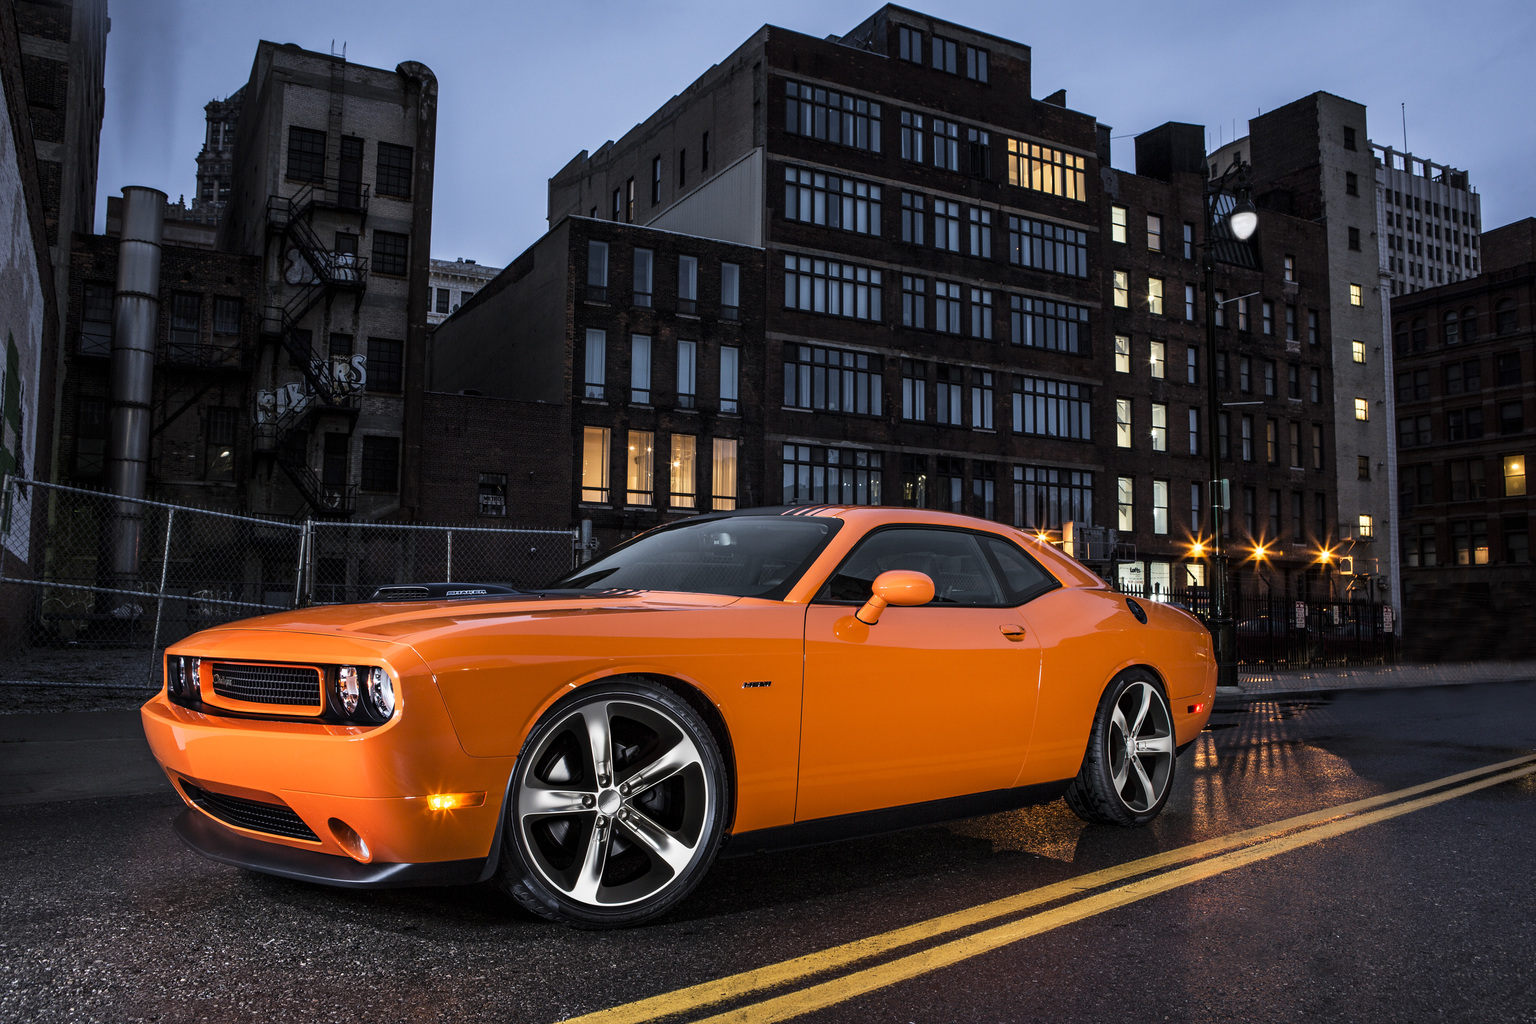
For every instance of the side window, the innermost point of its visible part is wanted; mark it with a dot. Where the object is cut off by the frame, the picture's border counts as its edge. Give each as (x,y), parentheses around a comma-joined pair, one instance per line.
(1022,578)
(954,560)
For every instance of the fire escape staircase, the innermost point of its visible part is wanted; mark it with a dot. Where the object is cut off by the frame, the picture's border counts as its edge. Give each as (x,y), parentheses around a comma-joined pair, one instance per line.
(325,274)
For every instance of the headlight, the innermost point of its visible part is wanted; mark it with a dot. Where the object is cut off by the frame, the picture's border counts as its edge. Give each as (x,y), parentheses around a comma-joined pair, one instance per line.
(173,675)
(181,676)
(347,689)
(381,692)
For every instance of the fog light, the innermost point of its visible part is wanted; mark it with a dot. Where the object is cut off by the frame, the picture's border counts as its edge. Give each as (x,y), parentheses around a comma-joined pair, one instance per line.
(381,692)
(347,838)
(347,688)
(453,801)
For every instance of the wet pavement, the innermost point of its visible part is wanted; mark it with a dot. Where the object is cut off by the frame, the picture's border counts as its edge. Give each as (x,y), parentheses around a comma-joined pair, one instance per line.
(106,916)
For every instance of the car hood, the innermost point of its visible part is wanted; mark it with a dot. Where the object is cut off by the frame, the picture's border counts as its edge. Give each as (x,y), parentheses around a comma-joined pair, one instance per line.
(403,620)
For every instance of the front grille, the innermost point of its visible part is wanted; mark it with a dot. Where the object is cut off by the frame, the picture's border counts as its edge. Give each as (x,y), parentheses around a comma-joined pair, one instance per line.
(267,684)
(273,819)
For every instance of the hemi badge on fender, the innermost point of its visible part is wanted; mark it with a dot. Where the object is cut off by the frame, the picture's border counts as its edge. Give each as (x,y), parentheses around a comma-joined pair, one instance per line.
(760,682)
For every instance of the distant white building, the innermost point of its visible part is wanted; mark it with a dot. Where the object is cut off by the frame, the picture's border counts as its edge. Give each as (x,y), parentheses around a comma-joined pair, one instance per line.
(452,284)
(1428,223)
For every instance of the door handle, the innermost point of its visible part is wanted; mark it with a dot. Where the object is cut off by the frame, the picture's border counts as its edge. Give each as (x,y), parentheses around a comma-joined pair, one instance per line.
(1012,631)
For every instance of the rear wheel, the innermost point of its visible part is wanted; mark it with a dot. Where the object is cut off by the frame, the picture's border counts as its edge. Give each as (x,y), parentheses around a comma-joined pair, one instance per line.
(618,803)
(1128,769)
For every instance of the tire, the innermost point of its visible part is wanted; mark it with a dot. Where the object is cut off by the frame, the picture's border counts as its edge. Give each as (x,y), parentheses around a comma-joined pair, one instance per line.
(604,840)
(1128,770)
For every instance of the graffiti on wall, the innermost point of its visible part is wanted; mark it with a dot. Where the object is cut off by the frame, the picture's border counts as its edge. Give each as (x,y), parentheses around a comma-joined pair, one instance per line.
(349,375)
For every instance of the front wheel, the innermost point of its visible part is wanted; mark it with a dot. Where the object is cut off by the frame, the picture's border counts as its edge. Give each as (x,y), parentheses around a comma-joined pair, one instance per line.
(618,804)
(1127,771)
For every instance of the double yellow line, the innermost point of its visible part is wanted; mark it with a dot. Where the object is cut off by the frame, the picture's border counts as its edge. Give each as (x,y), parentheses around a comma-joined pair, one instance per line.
(1211,857)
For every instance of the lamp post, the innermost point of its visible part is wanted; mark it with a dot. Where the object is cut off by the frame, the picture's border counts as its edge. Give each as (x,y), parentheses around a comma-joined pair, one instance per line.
(1240,222)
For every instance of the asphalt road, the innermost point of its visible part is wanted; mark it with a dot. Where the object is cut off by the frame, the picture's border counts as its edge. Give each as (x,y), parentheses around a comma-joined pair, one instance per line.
(1419,907)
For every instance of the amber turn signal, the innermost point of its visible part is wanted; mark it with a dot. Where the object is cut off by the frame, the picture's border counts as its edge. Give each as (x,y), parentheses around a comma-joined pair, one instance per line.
(453,801)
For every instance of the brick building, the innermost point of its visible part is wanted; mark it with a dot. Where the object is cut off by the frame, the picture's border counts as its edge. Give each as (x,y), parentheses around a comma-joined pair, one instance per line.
(1466,407)
(608,374)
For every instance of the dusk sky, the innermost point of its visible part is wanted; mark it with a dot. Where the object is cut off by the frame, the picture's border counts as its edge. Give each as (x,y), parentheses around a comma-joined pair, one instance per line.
(525,86)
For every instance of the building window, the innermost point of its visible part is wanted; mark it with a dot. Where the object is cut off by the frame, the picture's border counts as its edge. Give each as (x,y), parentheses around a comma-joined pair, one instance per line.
(1055,326)
(1049,247)
(687,374)
(1117,224)
(911,136)
(1267,309)
(96,320)
(333,461)
(1221,308)
(832,117)
(185,327)
(1517,540)
(682,168)
(832,200)
(1511,418)
(1053,408)
(981,233)
(381,464)
(1045,169)
(1293,382)
(1362,462)
(914,303)
(1313,334)
(1354,239)
(1365,527)
(1122,290)
(946,307)
(687,284)
(1189,302)
(594,465)
(597,271)
(1290,323)
(443,295)
(391,253)
(911,43)
(1158,359)
(1189,240)
(1504,320)
(684,474)
(1194,431)
(946,55)
(1154,233)
(1271,441)
(1269,378)
(618,204)
(730,362)
(1242,313)
(1317,449)
(981,314)
(1224,435)
(979,145)
(1514,475)
(946,145)
(629,201)
(912,205)
(730,291)
(976,63)
(946,225)
(1274,516)
(595,374)
(386,365)
(306,154)
(1245,374)
(1247,438)
(1044,499)
(814,474)
(948,408)
(1466,479)
(90,437)
(1349,138)
(1362,409)
(723,477)
(704,152)
(1122,423)
(1351,183)
(832,380)
(1192,365)
(655,180)
(827,286)
(1251,511)
(1357,351)
(1122,353)
(393,174)
(1413,431)
(1356,297)
(949,484)
(493,494)
(914,386)
(1160,506)
(219,459)
(1506,368)
(1155,296)
(1125,494)
(981,399)
(1295,439)
(644,283)
(640,468)
(640,369)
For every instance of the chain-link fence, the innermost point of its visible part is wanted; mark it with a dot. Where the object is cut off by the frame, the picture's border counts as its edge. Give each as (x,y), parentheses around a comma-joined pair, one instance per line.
(125,577)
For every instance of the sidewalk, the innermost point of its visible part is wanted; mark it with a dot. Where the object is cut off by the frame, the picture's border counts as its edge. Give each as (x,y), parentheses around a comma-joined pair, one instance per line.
(1264,683)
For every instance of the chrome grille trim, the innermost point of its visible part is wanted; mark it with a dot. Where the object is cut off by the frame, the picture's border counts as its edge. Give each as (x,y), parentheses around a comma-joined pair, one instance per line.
(296,685)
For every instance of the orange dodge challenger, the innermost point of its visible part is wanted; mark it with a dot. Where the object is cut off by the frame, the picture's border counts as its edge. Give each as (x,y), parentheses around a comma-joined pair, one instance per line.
(753,679)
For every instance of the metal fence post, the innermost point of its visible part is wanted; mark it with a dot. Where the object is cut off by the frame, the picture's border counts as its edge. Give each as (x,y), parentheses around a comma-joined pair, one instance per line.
(5,502)
(165,565)
(298,568)
(449,577)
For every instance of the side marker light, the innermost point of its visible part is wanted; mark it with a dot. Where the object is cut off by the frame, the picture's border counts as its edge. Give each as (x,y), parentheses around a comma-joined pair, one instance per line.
(453,801)
(1195,709)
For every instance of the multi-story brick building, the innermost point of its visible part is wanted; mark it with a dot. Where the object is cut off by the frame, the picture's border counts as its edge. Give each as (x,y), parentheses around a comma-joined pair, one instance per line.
(1466,408)
(1274,379)
(608,374)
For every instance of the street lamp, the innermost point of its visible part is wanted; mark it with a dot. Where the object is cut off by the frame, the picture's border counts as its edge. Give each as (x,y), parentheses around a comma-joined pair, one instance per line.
(1240,223)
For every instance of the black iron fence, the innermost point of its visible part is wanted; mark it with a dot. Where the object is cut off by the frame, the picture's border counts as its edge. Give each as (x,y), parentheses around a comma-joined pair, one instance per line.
(1278,631)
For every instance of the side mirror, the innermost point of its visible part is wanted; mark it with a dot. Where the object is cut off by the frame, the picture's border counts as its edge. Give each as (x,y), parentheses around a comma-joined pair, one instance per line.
(901,587)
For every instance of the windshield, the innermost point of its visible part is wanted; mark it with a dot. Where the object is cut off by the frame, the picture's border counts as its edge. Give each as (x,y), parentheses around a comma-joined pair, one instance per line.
(740,556)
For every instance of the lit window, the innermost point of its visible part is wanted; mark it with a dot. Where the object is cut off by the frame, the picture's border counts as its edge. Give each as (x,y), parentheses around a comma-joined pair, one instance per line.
(1159,362)
(641,467)
(683,475)
(1367,526)
(1290,267)
(1117,224)
(1122,422)
(1159,427)
(724,485)
(1159,506)
(594,464)
(1155,296)
(1362,410)
(1358,348)
(1355,296)
(1514,475)
(1122,289)
(1125,491)
(1122,353)
(1045,169)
